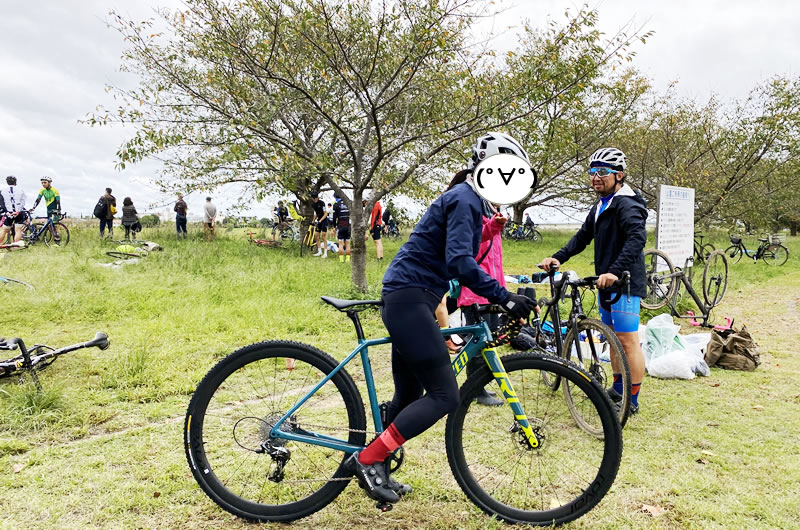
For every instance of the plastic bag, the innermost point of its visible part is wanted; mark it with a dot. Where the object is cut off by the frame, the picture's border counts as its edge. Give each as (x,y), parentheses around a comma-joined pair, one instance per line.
(672,356)
(662,338)
(675,365)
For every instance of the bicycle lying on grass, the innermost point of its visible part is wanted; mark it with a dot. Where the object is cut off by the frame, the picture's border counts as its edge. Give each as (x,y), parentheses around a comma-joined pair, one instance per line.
(11,283)
(664,281)
(772,253)
(588,342)
(40,356)
(263,242)
(269,428)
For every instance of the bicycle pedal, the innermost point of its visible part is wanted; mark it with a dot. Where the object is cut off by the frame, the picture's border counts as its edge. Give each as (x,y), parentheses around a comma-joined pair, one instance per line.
(384,507)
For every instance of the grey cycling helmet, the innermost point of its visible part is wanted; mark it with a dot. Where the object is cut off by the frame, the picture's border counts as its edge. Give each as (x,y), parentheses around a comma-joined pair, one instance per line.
(610,157)
(46,178)
(494,143)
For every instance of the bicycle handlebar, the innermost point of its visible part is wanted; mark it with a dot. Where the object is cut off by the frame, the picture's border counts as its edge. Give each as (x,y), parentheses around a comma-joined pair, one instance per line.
(100,340)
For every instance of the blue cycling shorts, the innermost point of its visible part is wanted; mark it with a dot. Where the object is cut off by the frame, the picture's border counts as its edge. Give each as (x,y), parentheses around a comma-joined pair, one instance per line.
(622,316)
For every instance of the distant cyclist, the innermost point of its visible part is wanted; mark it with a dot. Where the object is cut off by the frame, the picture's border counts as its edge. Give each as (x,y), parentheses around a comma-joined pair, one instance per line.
(282,218)
(341,220)
(51,198)
(13,200)
(321,223)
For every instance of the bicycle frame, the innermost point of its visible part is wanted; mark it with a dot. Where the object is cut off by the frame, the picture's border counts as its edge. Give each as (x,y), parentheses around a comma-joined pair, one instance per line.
(481,336)
(680,274)
(48,225)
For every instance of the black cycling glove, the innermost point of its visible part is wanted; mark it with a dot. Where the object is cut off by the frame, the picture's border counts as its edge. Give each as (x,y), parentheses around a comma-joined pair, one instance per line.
(518,306)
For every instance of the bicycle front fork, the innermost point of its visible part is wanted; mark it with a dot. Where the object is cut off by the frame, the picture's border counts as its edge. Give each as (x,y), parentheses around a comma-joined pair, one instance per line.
(510,396)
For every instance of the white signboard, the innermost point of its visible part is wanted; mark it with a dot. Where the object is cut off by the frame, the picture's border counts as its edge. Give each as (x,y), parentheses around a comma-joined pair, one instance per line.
(675,229)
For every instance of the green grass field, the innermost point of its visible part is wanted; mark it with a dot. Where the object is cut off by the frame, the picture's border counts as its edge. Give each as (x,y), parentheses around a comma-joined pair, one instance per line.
(102,445)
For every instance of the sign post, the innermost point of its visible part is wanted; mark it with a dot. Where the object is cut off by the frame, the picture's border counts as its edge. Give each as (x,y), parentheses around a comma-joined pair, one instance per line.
(675,226)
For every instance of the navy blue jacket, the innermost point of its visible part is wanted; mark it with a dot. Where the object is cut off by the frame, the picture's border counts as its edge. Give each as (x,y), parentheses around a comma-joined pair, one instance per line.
(443,246)
(619,238)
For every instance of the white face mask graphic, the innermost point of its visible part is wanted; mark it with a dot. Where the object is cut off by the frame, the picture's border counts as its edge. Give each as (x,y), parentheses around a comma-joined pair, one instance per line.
(504,179)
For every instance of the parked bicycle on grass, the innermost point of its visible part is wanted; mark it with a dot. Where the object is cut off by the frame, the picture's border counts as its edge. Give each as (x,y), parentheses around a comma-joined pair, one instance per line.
(701,250)
(588,342)
(773,253)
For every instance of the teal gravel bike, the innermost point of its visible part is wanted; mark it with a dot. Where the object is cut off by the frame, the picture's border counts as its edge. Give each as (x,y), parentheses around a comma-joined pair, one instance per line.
(269,427)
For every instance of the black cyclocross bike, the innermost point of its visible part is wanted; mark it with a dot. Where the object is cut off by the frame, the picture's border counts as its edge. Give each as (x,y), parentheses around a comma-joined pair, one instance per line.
(270,426)
(39,356)
(588,342)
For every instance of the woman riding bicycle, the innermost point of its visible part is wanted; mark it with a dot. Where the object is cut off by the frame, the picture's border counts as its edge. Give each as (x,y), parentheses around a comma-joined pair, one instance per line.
(442,246)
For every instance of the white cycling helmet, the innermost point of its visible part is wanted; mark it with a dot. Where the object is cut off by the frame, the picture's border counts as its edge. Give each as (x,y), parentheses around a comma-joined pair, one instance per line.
(610,157)
(46,178)
(494,143)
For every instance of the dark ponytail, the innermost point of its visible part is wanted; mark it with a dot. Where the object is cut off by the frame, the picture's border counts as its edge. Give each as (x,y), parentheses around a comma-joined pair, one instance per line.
(460,177)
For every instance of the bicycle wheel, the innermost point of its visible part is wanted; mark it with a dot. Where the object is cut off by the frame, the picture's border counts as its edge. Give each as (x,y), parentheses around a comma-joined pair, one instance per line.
(775,255)
(661,281)
(593,349)
(30,231)
(14,285)
(734,253)
(233,411)
(61,236)
(123,255)
(557,482)
(715,278)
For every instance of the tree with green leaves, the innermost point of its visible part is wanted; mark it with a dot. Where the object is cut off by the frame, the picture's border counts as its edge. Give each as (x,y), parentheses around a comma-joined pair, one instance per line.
(298,96)
(580,117)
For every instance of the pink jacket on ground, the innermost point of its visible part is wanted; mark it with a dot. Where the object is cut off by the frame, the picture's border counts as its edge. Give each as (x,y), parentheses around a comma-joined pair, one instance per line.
(492,264)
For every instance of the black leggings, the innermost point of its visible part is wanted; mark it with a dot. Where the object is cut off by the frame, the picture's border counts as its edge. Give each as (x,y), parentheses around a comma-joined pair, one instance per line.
(419,362)
(493,319)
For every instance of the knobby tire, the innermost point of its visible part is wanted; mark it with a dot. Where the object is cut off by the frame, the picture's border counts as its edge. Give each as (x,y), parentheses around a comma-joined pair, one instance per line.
(229,417)
(558,482)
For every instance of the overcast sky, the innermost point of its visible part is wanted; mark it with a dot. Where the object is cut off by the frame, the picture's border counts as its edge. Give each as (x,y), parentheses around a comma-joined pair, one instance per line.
(57,56)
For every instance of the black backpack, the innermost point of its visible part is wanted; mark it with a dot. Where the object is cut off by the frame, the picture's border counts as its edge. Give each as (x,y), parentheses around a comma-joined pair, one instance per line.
(100,208)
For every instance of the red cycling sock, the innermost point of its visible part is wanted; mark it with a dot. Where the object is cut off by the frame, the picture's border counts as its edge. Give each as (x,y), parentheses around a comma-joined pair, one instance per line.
(635,387)
(382,446)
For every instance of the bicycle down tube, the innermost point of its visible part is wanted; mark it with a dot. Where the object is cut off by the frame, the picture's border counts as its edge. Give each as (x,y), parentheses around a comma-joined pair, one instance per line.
(475,346)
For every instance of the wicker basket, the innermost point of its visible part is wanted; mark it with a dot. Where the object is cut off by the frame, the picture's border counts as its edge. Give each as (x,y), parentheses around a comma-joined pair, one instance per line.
(778,238)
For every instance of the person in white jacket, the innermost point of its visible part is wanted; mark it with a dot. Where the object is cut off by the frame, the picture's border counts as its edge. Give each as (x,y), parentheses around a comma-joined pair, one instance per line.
(12,202)
(209,218)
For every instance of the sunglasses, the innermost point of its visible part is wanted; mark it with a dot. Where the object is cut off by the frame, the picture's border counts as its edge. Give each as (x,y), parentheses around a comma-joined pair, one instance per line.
(601,172)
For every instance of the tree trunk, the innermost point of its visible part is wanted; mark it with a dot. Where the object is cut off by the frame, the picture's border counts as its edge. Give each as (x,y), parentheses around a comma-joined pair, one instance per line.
(519,209)
(358,246)
(793,227)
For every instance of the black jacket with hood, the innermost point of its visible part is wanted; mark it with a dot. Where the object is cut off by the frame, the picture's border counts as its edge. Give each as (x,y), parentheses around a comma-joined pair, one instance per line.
(619,238)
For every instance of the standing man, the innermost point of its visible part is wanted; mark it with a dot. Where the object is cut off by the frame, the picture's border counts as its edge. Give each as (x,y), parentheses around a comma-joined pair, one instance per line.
(51,198)
(209,217)
(180,216)
(616,222)
(341,220)
(375,228)
(53,202)
(321,223)
(13,202)
(107,220)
